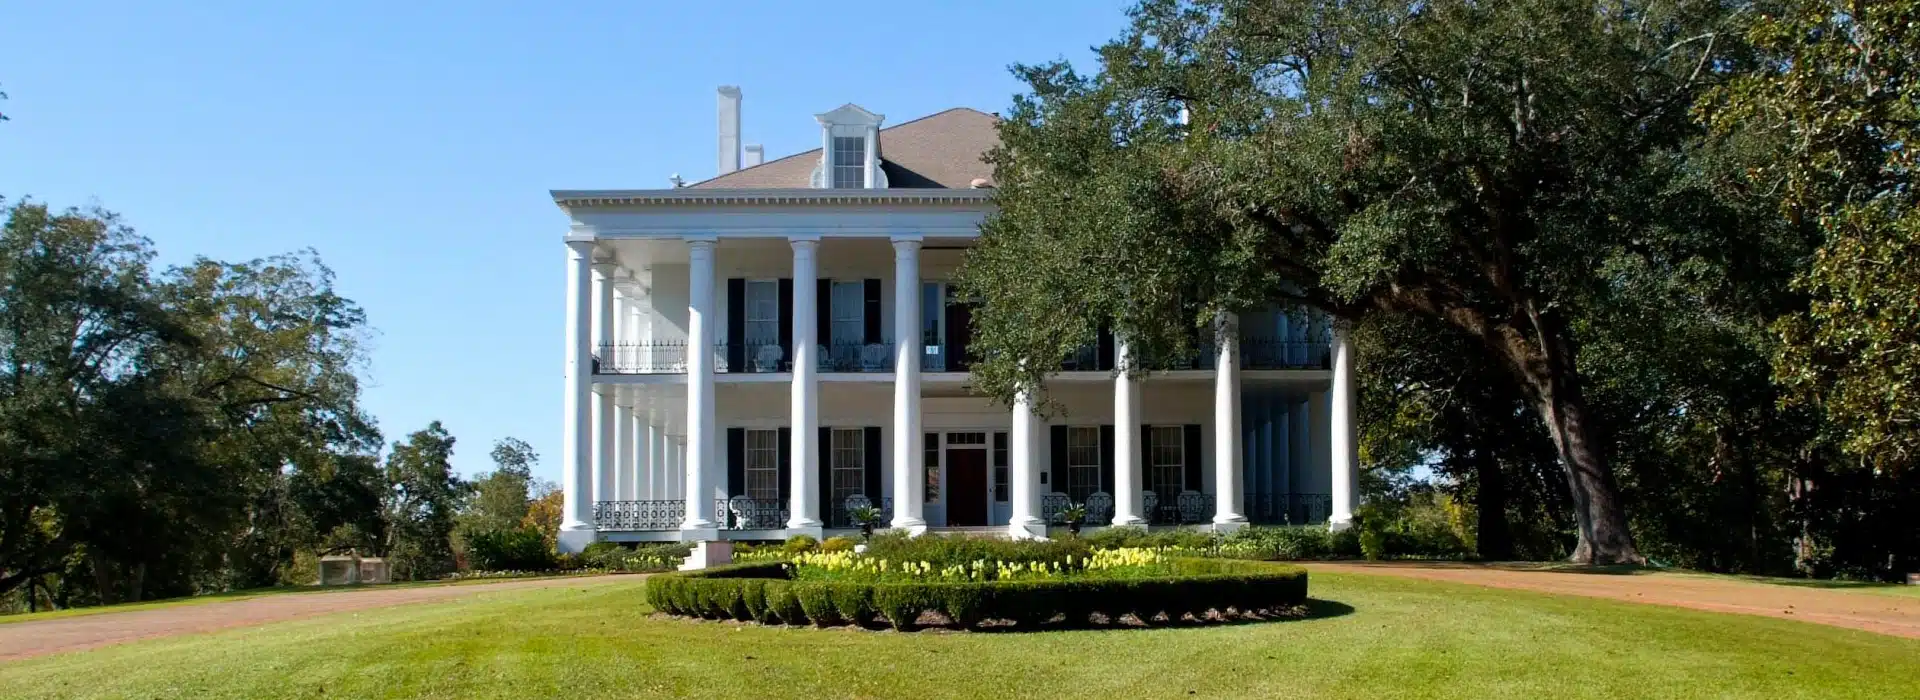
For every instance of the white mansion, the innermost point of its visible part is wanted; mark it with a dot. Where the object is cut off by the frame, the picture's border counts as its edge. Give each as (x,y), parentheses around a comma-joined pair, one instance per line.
(749,356)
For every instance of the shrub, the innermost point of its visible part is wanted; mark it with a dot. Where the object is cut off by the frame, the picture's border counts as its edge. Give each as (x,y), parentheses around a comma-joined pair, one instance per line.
(1295,543)
(1125,537)
(654,557)
(798,544)
(948,550)
(837,543)
(519,549)
(763,592)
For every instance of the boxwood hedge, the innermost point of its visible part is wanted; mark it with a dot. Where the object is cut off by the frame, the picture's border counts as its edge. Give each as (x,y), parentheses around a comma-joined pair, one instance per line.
(763,592)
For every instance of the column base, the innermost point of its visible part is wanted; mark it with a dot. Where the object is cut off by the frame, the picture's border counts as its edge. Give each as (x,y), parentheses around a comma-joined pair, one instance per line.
(1030,529)
(699,534)
(1338,523)
(1129,521)
(575,540)
(1229,524)
(914,527)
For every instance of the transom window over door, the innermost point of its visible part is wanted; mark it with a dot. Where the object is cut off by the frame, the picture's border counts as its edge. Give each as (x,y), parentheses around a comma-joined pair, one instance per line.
(1083,462)
(763,464)
(849,162)
(849,465)
(1166,467)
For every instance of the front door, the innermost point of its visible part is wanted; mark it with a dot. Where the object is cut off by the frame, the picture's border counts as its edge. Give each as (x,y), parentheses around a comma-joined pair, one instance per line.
(966,487)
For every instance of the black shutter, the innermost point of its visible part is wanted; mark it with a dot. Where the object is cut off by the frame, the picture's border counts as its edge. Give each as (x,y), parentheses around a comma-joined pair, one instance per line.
(736,324)
(823,312)
(786,320)
(736,461)
(1103,354)
(1192,458)
(871,309)
(873,465)
(1146,458)
(959,336)
(829,511)
(786,465)
(1058,459)
(1106,458)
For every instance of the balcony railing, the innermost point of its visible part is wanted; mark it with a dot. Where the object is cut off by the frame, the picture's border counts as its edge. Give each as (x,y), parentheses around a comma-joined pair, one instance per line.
(743,513)
(856,357)
(1288,508)
(656,357)
(1184,508)
(838,517)
(753,356)
(638,516)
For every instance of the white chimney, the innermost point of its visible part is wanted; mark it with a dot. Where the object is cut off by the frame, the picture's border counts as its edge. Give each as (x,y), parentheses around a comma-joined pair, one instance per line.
(729,128)
(756,154)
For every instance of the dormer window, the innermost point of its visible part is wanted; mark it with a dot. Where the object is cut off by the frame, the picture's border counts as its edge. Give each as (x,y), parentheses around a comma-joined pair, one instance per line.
(849,162)
(850,150)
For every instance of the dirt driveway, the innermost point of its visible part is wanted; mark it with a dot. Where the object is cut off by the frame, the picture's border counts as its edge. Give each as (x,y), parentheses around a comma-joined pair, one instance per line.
(19,640)
(1885,614)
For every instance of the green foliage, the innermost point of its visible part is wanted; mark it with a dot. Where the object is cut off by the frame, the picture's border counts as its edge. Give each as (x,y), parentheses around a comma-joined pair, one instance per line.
(517,549)
(500,498)
(1141,538)
(837,543)
(425,495)
(609,556)
(799,543)
(1296,543)
(762,592)
(948,550)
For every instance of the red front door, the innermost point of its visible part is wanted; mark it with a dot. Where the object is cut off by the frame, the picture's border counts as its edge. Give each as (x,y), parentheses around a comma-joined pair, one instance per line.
(966,487)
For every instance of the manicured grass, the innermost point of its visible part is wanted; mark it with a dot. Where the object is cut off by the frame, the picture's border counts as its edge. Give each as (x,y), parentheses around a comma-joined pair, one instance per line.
(1872,587)
(1370,637)
(243,595)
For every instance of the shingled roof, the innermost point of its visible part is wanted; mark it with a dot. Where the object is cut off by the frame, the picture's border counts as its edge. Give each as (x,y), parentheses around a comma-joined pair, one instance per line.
(937,151)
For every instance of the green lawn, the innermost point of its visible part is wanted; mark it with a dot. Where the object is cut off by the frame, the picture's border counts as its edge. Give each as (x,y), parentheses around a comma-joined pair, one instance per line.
(1372,637)
(241,595)
(1872,587)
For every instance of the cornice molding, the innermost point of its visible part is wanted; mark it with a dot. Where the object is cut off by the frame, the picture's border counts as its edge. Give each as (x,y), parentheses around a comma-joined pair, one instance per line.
(692,197)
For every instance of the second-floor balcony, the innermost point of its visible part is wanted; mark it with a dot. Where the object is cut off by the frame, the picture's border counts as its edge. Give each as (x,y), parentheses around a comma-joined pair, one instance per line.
(764,356)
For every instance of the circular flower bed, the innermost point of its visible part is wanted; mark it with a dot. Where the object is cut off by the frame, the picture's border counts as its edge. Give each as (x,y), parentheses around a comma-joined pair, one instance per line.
(1105,587)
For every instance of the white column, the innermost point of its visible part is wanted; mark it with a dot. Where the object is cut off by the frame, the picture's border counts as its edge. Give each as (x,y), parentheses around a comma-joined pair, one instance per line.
(699,446)
(1128,502)
(909,490)
(623,476)
(1227,477)
(664,482)
(576,447)
(642,478)
(1343,459)
(1024,481)
(803,493)
(604,457)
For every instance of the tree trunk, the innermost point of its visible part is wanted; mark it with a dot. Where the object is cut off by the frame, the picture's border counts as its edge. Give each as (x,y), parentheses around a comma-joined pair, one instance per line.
(1493,540)
(1599,517)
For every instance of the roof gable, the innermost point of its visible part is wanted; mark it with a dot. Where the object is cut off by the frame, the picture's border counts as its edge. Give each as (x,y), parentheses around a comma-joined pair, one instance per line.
(941,150)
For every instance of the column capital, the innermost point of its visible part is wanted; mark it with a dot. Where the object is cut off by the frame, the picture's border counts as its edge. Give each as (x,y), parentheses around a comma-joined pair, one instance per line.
(606,268)
(807,240)
(908,238)
(582,247)
(701,238)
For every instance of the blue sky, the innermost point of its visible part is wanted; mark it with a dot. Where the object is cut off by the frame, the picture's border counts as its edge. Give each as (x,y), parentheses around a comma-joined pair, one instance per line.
(412,144)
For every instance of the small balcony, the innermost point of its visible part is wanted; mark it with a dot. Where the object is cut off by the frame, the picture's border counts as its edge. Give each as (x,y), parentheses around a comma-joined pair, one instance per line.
(1275,353)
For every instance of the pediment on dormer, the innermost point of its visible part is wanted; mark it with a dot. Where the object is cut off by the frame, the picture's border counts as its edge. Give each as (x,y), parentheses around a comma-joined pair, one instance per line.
(850,114)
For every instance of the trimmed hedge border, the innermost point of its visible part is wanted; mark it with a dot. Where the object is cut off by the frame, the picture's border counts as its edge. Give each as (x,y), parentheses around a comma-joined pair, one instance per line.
(762,592)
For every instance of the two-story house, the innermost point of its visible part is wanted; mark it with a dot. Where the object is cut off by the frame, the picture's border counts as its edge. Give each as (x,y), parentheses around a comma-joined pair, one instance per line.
(750,356)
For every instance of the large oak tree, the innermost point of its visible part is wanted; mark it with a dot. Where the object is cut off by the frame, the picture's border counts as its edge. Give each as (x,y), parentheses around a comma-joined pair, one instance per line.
(1490,166)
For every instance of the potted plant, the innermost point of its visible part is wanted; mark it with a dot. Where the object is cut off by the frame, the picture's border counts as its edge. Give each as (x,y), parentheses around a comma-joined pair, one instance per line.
(865,516)
(1073,515)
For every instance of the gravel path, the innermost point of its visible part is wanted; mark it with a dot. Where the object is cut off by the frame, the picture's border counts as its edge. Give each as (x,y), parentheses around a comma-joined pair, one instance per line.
(1884,614)
(19,640)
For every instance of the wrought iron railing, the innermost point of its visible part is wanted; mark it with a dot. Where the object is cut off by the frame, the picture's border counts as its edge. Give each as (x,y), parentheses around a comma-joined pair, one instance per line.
(857,357)
(1099,508)
(1184,508)
(638,516)
(838,517)
(654,357)
(1288,508)
(756,356)
(743,513)
(1275,353)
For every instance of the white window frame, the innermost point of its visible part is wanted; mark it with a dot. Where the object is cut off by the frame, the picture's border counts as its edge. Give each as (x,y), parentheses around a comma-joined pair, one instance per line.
(849,472)
(1083,462)
(849,169)
(1167,465)
(763,464)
